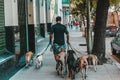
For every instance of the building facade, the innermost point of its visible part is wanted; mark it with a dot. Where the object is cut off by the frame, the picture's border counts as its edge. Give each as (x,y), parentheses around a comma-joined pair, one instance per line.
(23,23)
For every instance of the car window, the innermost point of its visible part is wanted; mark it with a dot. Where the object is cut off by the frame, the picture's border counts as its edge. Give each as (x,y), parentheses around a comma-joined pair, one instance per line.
(118,32)
(118,40)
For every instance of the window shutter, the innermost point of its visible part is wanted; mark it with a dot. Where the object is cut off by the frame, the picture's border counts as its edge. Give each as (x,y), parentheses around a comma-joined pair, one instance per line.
(2,25)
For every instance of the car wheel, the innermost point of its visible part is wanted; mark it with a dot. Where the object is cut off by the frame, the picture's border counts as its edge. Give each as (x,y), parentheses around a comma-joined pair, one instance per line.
(113,51)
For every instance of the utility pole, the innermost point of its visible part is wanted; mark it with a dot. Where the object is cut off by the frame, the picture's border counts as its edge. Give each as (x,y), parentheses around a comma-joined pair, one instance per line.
(26,12)
(89,31)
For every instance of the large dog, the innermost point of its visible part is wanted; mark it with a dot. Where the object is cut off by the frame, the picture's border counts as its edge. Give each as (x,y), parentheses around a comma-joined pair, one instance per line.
(82,66)
(71,61)
(60,66)
(92,60)
(28,56)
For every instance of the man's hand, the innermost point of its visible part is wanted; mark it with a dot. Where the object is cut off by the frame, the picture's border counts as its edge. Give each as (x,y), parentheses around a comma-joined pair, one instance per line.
(68,42)
(50,39)
(50,42)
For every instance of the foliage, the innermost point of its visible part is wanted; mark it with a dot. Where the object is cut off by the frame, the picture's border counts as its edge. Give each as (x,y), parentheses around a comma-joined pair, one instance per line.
(114,2)
(79,6)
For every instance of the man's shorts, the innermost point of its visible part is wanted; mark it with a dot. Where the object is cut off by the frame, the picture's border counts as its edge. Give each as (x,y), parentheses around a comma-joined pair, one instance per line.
(56,48)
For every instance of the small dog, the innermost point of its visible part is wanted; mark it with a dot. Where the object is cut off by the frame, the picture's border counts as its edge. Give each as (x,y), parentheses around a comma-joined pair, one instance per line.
(71,61)
(28,56)
(38,61)
(92,60)
(82,66)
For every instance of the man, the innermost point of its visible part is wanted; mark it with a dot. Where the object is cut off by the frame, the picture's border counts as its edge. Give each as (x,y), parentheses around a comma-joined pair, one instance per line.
(59,30)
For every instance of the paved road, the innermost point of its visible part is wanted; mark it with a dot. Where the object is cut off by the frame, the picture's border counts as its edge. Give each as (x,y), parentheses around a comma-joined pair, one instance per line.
(108,71)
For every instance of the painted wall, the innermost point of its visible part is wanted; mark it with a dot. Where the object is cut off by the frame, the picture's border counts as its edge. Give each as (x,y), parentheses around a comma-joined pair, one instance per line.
(30,12)
(42,11)
(52,11)
(11,14)
(60,10)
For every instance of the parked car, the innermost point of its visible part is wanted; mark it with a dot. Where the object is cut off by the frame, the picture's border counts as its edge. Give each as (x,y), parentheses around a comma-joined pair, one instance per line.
(111,31)
(115,44)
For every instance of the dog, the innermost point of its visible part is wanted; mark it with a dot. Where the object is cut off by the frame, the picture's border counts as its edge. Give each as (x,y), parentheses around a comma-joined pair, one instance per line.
(92,60)
(38,61)
(82,66)
(28,56)
(60,66)
(71,62)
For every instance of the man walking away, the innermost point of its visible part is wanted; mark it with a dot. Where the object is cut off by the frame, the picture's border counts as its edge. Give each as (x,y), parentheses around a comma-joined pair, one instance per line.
(59,30)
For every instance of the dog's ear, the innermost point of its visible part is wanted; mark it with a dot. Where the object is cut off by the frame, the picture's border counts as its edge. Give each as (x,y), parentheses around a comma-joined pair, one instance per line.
(58,56)
(78,59)
(87,58)
(70,51)
(37,56)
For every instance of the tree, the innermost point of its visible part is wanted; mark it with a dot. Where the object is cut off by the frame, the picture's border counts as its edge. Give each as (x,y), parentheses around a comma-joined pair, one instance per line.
(100,26)
(100,13)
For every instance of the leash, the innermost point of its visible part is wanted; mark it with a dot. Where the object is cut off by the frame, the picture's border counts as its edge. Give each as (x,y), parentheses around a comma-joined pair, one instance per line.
(44,50)
(74,49)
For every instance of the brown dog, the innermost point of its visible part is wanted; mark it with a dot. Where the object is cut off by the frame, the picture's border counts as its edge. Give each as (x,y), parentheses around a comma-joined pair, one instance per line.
(28,56)
(92,60)
(83,65)
(60,59)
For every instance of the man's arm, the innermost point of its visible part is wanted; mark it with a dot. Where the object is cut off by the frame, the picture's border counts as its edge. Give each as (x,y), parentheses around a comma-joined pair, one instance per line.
(67,36)
(50,37)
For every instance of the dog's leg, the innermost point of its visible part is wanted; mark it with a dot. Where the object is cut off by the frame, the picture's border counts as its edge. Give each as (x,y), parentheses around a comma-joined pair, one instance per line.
(96,62)
(62,71)
(94,65)
(70,71)
(90,63)
(69,74)
(27,61)
(86,71)
(82,72)
(30,62)
(73,74)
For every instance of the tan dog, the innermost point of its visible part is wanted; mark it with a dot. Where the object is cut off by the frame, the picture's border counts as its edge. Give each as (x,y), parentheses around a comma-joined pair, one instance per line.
(28,56)
(83,65)
(60,59)
(92,60)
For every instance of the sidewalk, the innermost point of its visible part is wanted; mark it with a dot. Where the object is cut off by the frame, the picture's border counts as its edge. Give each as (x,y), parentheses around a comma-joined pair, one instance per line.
(108,71)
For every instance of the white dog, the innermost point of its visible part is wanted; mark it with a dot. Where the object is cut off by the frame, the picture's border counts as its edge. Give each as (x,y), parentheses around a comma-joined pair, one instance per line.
(38,61)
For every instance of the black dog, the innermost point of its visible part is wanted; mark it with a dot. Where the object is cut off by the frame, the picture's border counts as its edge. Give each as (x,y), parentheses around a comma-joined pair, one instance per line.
(72,63)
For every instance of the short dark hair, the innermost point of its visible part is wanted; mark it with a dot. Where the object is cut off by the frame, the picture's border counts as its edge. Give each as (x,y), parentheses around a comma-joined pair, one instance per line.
(58,18)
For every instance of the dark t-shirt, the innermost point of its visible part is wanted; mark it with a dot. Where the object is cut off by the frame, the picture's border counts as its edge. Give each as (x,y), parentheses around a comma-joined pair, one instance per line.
(58,30)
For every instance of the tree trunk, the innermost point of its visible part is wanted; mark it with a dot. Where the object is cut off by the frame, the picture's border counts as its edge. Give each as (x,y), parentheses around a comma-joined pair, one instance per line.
(100,26)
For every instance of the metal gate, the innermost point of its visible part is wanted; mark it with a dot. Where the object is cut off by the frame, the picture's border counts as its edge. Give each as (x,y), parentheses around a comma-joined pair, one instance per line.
(2,28)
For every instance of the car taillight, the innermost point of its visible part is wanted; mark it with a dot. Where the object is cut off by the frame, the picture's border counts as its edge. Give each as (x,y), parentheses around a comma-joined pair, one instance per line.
(113,30)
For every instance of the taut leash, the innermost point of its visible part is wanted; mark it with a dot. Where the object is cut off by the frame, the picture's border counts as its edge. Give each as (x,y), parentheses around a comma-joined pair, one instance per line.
(69,46)
(45,50)
(74,49)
